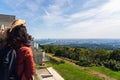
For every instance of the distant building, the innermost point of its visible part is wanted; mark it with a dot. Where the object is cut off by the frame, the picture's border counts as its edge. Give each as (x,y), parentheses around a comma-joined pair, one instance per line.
(36,46)
(5,21)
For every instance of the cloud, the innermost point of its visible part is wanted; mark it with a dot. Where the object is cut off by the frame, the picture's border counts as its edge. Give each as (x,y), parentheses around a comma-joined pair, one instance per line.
(32,6)
(113,5)
(85,14)
(94,3)
(96,22)
(46,12)
(53,14)
(102,22)
(15,3)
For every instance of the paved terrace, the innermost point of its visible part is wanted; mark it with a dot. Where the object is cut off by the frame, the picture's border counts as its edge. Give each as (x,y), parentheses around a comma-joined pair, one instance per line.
(45,73)
(48,74)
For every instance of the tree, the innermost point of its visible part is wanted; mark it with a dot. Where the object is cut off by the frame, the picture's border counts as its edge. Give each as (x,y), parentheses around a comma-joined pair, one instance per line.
(115,55)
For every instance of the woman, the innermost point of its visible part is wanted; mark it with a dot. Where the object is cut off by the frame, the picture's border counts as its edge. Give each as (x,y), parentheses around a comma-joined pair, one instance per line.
(18,38)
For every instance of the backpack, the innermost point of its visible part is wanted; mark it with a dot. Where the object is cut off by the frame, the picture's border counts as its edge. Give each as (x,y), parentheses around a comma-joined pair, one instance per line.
(7,64)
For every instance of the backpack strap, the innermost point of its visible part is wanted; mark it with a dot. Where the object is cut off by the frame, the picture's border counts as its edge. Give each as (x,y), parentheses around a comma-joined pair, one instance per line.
(12,58)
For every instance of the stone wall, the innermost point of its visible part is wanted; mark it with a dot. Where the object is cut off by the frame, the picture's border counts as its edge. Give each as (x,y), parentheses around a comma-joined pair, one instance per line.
(6,20)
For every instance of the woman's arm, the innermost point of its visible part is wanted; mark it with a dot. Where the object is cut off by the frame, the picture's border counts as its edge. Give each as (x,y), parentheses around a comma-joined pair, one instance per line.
(29,64)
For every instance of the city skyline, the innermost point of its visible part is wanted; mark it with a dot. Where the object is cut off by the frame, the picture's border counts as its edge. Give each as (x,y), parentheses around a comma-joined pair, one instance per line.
(67,18)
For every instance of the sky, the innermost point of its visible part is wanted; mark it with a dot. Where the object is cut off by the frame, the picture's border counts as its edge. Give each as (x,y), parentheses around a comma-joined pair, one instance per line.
(67,18)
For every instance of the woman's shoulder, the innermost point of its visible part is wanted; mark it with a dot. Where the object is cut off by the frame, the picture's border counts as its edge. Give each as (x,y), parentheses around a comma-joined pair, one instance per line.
(26,50)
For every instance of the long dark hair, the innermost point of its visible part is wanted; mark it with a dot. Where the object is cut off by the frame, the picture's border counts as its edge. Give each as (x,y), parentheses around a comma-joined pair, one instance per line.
(17,36)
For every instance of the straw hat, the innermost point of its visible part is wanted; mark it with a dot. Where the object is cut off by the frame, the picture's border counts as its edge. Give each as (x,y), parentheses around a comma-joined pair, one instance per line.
(17,23)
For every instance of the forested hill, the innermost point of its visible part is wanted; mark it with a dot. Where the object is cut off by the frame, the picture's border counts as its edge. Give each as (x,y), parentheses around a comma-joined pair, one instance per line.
(108,44)
(87,57)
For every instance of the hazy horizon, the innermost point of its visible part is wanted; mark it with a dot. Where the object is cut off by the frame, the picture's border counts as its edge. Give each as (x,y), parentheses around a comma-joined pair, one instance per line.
(77,38)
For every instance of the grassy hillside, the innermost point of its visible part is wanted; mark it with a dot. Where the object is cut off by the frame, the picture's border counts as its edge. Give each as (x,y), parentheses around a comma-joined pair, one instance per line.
(108,72)
(71,72)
